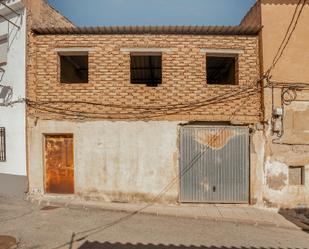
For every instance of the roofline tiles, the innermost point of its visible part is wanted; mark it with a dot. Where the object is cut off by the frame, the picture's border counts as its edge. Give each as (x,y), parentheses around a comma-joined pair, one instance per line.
(156,30)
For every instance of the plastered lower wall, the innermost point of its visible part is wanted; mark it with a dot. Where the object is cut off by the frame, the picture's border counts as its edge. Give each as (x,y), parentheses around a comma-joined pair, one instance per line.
(277,192)
(114,161)
(126,161)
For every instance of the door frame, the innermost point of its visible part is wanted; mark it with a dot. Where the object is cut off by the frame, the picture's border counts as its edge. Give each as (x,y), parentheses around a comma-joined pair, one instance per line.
(45,135)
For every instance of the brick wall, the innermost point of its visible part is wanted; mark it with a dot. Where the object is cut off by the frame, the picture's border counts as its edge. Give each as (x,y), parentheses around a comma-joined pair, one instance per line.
(183,94)
(40,14)
(43,15)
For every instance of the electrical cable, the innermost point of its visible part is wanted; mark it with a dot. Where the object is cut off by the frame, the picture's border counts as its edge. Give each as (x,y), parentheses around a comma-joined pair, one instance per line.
(177,178)
(152,107)
(287,36)
(287,32)
(148,113)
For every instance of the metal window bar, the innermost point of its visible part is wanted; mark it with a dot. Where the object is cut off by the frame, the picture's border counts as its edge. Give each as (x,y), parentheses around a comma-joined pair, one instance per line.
(2,145)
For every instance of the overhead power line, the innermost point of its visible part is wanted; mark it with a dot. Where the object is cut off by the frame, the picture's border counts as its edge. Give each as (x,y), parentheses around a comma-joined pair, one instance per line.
(144,111)
(178,177)
(288,35)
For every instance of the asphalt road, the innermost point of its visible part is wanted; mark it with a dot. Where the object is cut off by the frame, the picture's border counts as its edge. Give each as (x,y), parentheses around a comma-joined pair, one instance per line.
(93,229)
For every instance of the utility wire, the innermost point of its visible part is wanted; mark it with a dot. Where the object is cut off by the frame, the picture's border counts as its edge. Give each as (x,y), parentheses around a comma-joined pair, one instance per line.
(152,107)
(150,113)
(177,178)
(287,37)
(287,32)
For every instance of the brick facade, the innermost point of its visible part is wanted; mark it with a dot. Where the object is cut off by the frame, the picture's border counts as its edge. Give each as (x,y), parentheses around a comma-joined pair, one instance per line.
(109,95)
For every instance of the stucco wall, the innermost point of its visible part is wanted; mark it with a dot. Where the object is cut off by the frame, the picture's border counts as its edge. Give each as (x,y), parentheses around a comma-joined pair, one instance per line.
(114,161)
(13,118)
(288,147)
(126,160)
(253,17)
(276,17)
(13,180)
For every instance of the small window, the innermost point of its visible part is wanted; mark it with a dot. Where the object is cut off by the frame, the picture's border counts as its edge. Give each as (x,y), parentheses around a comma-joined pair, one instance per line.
(297,175)
(2,145)
(221,69)
(3,49)
(146,69)
(74,68)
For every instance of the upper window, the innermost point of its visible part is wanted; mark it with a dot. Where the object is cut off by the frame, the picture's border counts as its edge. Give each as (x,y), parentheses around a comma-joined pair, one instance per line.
(74,68)
(3,49)
(146,68)
(221,69)
(2,145)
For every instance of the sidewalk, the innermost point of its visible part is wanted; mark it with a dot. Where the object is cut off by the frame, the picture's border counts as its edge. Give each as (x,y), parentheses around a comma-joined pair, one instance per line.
(227,213)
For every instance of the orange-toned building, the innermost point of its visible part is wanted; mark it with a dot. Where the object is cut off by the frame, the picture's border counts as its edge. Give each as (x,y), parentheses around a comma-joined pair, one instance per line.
(284,53)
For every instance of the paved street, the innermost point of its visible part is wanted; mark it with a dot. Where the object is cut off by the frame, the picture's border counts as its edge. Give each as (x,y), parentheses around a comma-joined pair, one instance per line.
(49,228)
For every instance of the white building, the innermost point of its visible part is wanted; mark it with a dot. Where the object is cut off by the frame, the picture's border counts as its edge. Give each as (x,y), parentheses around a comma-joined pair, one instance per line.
(13,173)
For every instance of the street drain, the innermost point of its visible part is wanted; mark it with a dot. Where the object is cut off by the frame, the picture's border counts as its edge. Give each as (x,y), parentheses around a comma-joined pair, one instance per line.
(46,208)
(7,242)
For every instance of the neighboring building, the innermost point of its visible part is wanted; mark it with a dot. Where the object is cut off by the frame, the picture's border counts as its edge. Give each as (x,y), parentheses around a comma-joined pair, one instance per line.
(13,173)
(16,18)
(285,57)
(121,113)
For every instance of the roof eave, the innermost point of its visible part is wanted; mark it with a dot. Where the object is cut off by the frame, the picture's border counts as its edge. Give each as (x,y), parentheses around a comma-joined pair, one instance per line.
(154,30)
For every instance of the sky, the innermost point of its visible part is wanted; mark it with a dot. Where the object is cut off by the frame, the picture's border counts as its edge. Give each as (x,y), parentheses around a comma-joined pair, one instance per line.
(153,12)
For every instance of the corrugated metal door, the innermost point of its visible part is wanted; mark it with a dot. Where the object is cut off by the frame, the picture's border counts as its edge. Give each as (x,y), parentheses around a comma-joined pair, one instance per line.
(214,164)
(59,166)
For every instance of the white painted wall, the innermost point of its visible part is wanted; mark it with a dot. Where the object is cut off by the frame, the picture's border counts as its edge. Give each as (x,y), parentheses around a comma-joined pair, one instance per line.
(13,118)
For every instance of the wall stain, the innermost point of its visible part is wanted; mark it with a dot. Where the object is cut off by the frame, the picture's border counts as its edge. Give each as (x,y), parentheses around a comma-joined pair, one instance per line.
(277,182)
(269,204)
(216,140)
(129,197)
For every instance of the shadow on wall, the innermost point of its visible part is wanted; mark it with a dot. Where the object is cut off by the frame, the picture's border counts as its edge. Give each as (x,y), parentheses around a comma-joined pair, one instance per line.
(298,216)
(107,245)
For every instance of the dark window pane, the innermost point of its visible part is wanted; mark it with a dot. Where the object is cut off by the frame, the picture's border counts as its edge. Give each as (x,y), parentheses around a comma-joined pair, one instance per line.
(74,69)
(146,69)
(221,70)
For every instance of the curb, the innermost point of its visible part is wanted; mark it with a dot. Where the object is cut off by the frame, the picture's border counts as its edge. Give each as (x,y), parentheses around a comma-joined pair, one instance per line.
(113,207)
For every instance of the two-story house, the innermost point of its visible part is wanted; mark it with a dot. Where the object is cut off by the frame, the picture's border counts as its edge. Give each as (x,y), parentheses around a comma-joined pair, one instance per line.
(156,114)
(168,114)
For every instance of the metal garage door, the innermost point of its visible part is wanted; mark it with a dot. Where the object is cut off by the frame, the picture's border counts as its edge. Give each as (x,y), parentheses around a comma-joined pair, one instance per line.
(214,164)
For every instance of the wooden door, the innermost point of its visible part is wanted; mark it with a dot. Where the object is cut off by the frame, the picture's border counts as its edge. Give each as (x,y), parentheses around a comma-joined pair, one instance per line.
(59,164)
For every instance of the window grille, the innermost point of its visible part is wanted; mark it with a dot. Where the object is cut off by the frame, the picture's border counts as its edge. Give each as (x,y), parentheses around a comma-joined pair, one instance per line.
(2,145)
(146,69)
